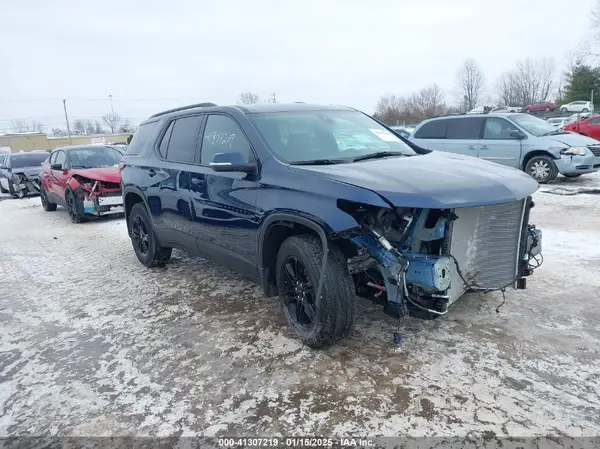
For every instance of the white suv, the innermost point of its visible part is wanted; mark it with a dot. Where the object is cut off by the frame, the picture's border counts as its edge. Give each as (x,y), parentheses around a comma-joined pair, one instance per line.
(577,106)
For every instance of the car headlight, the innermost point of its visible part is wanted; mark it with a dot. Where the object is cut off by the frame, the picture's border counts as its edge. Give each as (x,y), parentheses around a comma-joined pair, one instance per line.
(574,151)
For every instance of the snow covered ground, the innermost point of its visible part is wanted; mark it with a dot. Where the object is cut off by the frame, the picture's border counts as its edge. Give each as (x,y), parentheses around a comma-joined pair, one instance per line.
(93,343)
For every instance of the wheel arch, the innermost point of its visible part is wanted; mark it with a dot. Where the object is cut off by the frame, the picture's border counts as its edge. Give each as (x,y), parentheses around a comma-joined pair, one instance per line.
(535,153)
(274,230)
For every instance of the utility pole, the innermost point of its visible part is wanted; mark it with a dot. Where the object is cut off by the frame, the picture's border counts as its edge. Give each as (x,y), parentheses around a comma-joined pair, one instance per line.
(111,105)
(67,120)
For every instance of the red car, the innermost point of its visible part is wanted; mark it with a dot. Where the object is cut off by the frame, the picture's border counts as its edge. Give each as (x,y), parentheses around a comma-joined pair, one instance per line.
(588,127)
(546,106)
(85,179)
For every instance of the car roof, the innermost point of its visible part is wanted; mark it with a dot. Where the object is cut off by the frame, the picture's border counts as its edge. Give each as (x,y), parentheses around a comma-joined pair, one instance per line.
(81,147)
(25,153)
(489,114)
(247,109)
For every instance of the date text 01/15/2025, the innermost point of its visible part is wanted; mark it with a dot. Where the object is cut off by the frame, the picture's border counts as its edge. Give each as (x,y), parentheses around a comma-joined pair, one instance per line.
(294,442)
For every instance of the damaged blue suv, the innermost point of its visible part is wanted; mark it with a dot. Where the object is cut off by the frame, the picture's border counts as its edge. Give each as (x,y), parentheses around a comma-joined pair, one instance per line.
(321,204)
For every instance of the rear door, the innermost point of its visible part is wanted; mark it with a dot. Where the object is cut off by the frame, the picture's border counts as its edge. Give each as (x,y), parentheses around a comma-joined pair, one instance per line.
(431,135)
(498,145)
(463,135)
(592,129)
(168,193)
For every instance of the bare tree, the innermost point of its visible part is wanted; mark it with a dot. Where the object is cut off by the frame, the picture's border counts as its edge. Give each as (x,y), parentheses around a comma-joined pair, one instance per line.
(89,128)
(530,82)
(112,120)
(272,98)
(58,132)
(429,102)
(389,109)
(125,126)
(98,128)
(248,98)
(22,126)
(78,127)
(470,83)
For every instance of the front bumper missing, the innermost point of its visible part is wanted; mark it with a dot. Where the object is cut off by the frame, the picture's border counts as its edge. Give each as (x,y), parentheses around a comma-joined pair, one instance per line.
(102,205)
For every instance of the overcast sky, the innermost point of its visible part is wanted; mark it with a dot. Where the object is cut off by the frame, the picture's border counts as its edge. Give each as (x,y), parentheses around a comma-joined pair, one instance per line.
(329,51)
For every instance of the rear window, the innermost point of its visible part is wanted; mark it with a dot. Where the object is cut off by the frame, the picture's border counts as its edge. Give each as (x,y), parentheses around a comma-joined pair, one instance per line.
(141,136)
(28,160)
(435,129)
(468,128)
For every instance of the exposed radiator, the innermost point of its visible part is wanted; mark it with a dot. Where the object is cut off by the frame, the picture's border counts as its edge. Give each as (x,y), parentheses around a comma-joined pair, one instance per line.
(485,241)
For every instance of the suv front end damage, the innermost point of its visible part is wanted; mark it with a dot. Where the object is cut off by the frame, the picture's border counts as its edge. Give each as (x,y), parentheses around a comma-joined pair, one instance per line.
(99,197)
(426,259)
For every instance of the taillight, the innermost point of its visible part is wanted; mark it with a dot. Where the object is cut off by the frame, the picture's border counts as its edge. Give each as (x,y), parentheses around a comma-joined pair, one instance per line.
(121,166)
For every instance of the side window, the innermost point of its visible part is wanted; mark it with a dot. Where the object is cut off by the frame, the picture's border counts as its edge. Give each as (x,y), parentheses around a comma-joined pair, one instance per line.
(464,128)
(498,129)
(184,139)
(60,158)
(141,136)
(221,135)
(435,129)
(164,143)
(594,121)
(53,157)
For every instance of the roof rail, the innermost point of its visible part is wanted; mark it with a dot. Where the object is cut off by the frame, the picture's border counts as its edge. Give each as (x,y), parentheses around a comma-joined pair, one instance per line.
(183,108)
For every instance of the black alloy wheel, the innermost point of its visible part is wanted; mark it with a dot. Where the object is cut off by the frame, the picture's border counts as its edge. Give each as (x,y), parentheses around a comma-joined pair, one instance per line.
(299,293)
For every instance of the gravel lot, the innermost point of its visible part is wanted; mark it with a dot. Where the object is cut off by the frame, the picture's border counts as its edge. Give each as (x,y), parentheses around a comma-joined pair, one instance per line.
(93,343)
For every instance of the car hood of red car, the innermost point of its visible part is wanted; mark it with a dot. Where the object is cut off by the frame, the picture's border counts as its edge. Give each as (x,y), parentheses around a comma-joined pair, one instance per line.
(106,174)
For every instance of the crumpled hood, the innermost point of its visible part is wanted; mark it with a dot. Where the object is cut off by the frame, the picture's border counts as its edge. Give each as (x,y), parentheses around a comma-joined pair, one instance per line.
(106,174)
(435,180)
(574,140)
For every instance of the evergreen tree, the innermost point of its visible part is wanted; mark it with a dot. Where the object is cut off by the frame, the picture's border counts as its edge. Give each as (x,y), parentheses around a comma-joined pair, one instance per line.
(581,80)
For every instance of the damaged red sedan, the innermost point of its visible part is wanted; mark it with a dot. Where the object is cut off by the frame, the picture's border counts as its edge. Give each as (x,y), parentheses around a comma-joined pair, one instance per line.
(85,179)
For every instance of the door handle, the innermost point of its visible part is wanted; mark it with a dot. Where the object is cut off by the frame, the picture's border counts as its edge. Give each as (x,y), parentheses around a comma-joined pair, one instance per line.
(483,147)
(472,147)
(151,171)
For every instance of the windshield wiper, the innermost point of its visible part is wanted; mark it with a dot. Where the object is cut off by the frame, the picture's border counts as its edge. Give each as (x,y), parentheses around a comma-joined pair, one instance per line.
(320,162)
(555,132)
(377,155)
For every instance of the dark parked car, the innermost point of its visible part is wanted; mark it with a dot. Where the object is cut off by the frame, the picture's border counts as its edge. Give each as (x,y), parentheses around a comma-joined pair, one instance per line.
(19,172)
(320,203)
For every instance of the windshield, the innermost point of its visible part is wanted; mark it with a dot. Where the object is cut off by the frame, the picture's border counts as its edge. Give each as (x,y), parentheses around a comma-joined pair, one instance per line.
(28,160)
(340,136)
(94,157)
(533,125)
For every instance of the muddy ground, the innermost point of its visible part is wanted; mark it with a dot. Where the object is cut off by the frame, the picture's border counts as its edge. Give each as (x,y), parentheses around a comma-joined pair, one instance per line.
(93,343)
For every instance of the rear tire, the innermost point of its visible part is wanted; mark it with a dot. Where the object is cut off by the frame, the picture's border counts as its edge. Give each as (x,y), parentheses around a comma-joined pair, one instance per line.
(541,168)
(317,322)
(563,109)
(3,190)
(46,204)
(143,238)
(584,110)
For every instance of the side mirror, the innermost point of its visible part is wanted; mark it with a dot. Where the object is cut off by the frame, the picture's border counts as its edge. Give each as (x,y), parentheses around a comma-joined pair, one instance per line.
(231,162)
(517,135)
(56,167)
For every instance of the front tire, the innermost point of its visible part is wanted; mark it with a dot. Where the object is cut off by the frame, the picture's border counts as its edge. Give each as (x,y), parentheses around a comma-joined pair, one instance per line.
(2,189)
(542,169)
(563,109)
(74,208)
(584,110)
(143,238)
(46,204)
(316,321)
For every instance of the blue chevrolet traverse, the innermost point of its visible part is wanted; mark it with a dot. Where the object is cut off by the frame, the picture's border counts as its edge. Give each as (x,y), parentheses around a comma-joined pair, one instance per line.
(321,204)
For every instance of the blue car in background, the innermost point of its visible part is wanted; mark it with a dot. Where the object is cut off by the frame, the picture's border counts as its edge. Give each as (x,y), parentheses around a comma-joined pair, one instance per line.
(321,204)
